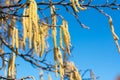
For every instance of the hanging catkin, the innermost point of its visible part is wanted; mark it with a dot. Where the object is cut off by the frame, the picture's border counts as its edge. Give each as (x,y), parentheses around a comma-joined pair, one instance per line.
(61,37)
(30,28)
(52,10)
(17,38)
(112,29)
(78,5)
(66,36)
(27,25)
(74,5)
(11,67)
(42,42)
(13,37)
(59,61)
(116,38)
(35,43)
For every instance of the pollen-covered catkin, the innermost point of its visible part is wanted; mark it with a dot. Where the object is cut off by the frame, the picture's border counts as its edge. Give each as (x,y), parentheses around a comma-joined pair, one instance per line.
(17,38)
(66,36)
(116,38)
(24,27)
(42,43)
(35,43)
(13,37)
(78,5)
(52,10)
(74,5)
(61,38)
(112,29)
(11,67)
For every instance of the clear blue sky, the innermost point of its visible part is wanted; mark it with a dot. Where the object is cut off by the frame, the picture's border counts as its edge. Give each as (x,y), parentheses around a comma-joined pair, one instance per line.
(93,49)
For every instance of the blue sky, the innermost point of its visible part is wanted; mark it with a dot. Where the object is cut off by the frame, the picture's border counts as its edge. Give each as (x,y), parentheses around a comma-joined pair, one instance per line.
(93,49)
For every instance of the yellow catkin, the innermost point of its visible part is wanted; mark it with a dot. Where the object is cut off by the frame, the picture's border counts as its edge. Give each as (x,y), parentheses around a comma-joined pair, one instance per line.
(61,73)
(11,67)
(77,76)
(30,29)
(78,5)
(49,77)
(74,5)
(52,10)
(55,60)
(45,29)
(34,41)
(59,57)
(66,36)
(56,68)
(61,38)
(39,40)
(13,37)
(24,26)
(71,76)
(26,21)
(116,38)
(34,17)
(112,29)
(60,62)
(42,44)
(17,38)
(54,37)
(32,21)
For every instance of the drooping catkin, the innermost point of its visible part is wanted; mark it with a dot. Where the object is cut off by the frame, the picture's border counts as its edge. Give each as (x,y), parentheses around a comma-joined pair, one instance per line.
(56,68)
(29,28)
(42,43)
(60,62)
(61,72)
(11,67)
(66,36)
(61,38)
(74,5)
(35,43)
(17,38)
(45,29)
(33,15)
(53,15)
(116,38)
(54,37)
(78,5)
(26,21)
(73,71)
(112,29)
(52,11)
(13,37)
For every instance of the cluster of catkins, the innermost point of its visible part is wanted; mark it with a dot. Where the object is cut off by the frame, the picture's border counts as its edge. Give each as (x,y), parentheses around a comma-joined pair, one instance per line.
(36,33)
